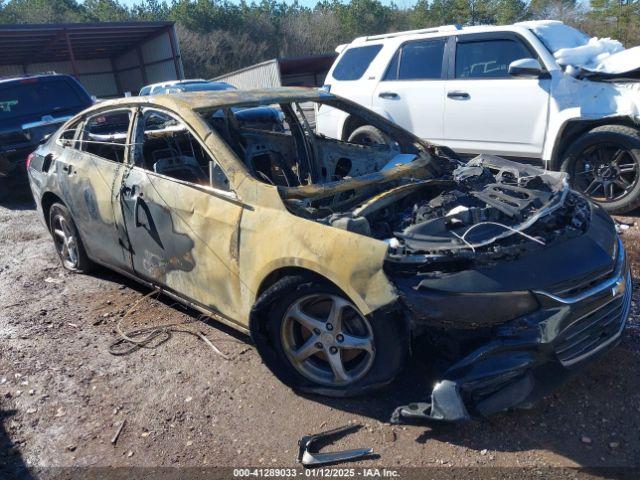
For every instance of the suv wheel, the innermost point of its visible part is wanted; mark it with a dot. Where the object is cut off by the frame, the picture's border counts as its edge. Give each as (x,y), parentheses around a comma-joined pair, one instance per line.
(368,135)
(604,165)
(323,344)
(66,239)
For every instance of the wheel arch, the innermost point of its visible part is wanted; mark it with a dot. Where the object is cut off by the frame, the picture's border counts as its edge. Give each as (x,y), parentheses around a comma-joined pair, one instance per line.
(48,199)
(262,303)
(350,124)
(572,129)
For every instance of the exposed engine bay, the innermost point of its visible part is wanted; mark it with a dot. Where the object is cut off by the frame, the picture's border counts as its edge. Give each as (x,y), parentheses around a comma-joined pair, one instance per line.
(486,209)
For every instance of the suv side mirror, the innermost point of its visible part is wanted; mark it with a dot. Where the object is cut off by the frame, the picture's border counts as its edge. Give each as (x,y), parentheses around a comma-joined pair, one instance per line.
(525,67)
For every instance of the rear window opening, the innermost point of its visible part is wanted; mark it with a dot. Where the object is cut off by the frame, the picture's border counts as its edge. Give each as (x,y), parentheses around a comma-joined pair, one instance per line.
(355,62)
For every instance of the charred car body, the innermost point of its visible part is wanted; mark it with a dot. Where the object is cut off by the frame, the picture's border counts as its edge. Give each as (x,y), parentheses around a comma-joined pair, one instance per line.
(332,254)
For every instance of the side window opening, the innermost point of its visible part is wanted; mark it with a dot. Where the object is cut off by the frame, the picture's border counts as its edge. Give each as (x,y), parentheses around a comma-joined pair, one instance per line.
(488,58)
(420,60)
(169,148)
(105,135)
(68,136)
(355,62)
(267,138)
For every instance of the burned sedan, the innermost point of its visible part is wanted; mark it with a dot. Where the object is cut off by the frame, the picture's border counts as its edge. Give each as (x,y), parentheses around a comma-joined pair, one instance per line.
(333,255)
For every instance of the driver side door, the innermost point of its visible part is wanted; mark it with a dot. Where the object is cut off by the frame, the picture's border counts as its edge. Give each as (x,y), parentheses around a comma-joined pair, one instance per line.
(182,220)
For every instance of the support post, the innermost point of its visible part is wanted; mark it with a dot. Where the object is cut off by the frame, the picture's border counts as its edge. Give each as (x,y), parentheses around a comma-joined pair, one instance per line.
(72,57)
(143,67)
(171,31)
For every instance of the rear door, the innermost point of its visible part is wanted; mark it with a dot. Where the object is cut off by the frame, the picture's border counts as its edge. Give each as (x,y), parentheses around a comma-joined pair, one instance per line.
(89,170)
(487,110)
(411,91)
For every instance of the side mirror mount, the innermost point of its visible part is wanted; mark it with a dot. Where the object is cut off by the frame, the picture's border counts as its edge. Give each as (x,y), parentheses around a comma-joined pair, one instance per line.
(526,68)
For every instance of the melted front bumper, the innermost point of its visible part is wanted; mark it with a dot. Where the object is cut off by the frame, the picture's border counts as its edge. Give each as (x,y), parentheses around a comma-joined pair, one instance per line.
(531,355)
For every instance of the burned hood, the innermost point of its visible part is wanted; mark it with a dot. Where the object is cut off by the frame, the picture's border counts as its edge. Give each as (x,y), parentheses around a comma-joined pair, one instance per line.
(493,223)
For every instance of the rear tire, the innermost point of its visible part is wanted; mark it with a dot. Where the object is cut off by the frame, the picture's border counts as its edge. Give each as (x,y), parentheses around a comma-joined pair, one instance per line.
(67,240)
(604,165)
(368,135)
(322,361)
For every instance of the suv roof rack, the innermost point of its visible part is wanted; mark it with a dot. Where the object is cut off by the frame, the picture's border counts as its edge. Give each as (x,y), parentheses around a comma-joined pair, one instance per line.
(444,28)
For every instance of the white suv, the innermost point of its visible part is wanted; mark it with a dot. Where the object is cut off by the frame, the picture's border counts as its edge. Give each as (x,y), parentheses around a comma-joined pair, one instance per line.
(503,90)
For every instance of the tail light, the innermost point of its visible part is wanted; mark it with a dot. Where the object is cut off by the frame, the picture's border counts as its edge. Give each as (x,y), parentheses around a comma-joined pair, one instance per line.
(29,158)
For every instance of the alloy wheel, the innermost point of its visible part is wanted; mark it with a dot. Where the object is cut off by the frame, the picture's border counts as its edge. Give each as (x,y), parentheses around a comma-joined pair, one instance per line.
(327,340)
(605,172)
(65,241)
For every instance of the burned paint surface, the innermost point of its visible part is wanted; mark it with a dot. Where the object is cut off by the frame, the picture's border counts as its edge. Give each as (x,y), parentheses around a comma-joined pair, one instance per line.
(222,245)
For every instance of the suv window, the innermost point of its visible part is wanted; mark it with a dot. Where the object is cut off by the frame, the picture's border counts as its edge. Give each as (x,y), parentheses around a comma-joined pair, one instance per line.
(34,96)
(417,61)
(488,58)
(355,62)
(105,135)
(170,149)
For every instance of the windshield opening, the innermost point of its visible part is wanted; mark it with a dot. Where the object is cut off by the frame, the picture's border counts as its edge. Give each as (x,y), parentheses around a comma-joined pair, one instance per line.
(279,143)
(556,35)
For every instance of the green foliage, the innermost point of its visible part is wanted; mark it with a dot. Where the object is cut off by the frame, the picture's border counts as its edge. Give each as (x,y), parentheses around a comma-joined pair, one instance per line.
(219,35)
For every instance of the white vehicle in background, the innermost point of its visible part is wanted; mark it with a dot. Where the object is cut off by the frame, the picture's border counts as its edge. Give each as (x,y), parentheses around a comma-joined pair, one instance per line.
(538,92)
(161,87)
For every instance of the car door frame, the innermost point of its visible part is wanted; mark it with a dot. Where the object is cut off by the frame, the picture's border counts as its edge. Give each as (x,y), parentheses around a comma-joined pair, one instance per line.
(195,300)
(450,57)
(96,239)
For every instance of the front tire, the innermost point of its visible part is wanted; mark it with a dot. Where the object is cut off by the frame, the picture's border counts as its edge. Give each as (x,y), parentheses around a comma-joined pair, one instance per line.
(604,165)
(321,343)
(67,241)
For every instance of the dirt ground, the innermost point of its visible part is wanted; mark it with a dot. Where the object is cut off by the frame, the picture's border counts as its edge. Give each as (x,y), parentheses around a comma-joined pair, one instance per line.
(63,395)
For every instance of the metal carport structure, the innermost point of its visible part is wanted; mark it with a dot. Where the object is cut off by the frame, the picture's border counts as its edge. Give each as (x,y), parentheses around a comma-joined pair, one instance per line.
(109,59)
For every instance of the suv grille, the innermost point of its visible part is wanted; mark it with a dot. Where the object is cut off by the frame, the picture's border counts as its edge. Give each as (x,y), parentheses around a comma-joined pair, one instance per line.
(587,334)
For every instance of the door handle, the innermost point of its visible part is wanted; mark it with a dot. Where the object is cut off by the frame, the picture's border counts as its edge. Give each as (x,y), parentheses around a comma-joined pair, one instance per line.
(67,168)
(136,206)
(128,191)
(390,95)
(458,95)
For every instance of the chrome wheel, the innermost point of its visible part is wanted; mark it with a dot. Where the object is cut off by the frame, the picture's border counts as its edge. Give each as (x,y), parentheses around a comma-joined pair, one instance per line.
(605,172)
(327,340)
(65,241)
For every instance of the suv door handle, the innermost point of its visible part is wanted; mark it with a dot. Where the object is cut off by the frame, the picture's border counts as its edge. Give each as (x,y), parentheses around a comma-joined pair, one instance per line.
(458,95)
(393,95)
(66,168)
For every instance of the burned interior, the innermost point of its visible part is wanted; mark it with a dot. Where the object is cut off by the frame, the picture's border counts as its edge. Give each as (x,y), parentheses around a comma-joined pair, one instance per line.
(435,213)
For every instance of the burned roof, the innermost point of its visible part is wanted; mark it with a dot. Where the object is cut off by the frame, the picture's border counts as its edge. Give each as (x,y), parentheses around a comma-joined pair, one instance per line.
(208,100)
